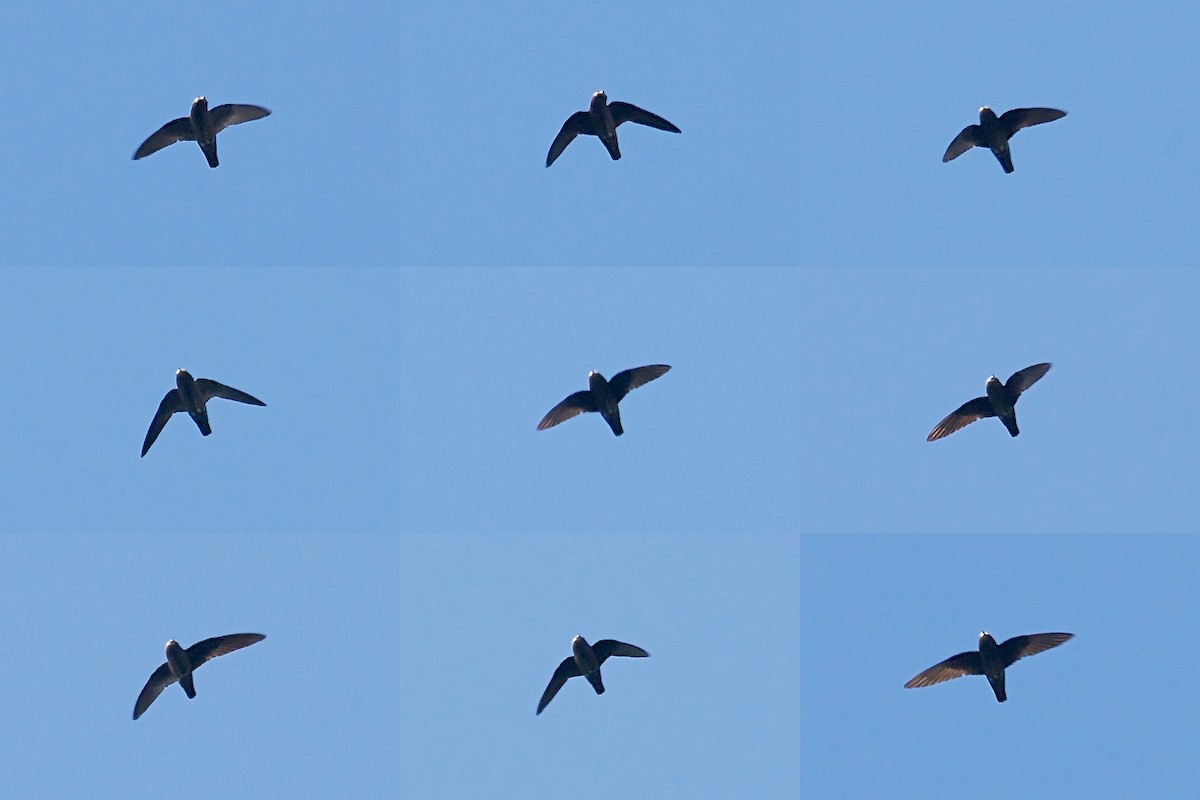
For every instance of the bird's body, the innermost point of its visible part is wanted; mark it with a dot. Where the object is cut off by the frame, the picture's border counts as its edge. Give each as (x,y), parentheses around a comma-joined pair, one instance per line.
(585,660)
(602,396)
(192,395)
(601,120)
(200,126)
(1000,401)
(181,663)
(180,667)
(587,663)
(990,660)
(994,132)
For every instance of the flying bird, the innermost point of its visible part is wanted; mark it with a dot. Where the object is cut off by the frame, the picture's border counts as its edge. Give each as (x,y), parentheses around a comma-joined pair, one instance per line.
(191,396)
(991,660)
(180,665)
(603,396)
(586,661)
(1000,402)
(601,119)
(200,126)
(994,132)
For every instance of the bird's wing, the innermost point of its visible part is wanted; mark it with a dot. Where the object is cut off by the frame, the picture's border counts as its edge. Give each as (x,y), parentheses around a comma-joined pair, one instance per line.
(577,123)
(624,382)
(220,645)
(953,667)
(967,138)
(234,114)
(209,389)
(177,130)
(567,669)
(624,112)
(160,679)
(961,417)
(1014,119)
(1021,646)
(574,404)
(1020,381)
(610,647)
(171,403)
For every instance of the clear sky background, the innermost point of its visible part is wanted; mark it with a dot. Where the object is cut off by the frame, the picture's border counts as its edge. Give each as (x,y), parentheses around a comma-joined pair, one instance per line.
(386,262)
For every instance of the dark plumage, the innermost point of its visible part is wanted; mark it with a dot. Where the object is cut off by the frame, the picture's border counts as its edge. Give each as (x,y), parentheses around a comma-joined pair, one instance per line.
(601,119)
(994,132)
(200,126)
(1001,401)
(586,660)
(603,396)
(180,665)
(990,660)
(191,396)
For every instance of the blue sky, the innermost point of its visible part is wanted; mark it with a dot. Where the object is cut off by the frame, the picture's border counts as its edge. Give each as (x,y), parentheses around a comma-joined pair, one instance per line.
(386,262)
(1109,713)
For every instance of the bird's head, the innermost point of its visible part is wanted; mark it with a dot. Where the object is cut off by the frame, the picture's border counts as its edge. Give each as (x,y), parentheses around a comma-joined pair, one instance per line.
(993,381)
(200,102)
(600,95)
(986,114)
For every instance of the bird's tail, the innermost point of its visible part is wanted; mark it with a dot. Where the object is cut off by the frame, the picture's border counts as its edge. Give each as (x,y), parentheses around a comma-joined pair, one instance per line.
(201,421)
(1010,422)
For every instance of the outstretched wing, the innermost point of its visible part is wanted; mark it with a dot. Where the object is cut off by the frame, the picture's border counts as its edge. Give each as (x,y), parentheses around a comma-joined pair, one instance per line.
(625,112)
(567,669)
(627,380)
(961,417)
(1014,119)
(574,404)
(171,403)
(610,647)
(209,389)
(577,123)
(967,663)
(1020,646)
(1020,381)
(967,138)
(177,130)
(220,645)
(160,679)
(234,114)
